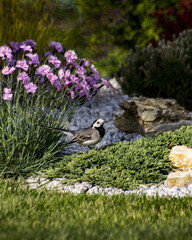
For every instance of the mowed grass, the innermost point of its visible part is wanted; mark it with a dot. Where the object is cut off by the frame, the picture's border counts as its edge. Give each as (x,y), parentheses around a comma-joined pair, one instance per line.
(39,214)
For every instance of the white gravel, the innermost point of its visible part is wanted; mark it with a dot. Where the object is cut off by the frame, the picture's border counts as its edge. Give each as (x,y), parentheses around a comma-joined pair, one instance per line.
(85,187)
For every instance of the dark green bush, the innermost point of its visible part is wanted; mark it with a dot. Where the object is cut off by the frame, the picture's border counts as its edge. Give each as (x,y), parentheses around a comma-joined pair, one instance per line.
(162,71)
(126,164)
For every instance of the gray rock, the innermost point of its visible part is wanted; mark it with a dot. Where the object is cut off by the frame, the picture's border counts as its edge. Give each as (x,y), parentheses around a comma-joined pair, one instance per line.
(77,188)
(95,190)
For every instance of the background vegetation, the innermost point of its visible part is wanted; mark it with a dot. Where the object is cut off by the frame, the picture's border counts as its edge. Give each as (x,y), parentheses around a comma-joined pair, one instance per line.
(101,31)
(161,71)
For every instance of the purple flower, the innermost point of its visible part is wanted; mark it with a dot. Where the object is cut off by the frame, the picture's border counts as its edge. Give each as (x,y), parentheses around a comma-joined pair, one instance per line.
(81,72)
(71,56)
(30,43)
(96,76)
(84,92)
(43,70)
(71,93)
(52,77)
(54,61)
(15,46)
(42,80)
(26,48)
(23,77)
(74,79)
(6,52)
(22,64)
(67,73)
(8,70)
(93,69)
(30,87)
(57,85)
(7,94)
(84,63)
(105,82)
(57,46)
(92,82)
(34,59)
(47,54)
(61,73)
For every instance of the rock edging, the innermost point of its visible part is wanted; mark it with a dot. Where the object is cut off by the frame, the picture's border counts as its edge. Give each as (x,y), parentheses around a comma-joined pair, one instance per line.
(84,187)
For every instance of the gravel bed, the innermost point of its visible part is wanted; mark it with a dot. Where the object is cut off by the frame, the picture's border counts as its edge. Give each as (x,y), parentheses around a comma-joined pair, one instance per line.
(85,187)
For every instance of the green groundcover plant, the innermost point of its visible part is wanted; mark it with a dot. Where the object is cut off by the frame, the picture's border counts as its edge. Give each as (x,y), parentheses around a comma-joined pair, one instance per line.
(124,165)
(35,92)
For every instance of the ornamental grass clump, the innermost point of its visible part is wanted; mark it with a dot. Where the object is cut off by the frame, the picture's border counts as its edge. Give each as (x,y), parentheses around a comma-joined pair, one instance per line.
(35,92)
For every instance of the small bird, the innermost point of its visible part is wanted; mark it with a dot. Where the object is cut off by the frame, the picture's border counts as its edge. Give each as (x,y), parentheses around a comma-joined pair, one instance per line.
(85,136)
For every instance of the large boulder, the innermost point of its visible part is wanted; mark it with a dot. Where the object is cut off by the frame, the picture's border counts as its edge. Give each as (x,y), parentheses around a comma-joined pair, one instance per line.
(151,115)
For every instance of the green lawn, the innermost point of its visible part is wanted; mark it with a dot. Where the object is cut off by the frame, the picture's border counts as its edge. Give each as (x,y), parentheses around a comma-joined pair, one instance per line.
(31,214)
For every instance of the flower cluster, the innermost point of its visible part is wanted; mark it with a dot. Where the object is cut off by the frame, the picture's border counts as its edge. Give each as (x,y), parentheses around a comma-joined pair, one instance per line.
(63,70)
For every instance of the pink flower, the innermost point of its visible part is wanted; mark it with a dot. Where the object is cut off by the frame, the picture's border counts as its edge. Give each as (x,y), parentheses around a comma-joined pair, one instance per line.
(74,79)
(6,52)
(105,83)
(67,73)
(43,70)
(72,93)
(7,94)
(22,64)
(71,56)
(34,59)
(52,77)
(61,73)
(23,77)
(54,61)
(8,70)
(30,87)
(26,48)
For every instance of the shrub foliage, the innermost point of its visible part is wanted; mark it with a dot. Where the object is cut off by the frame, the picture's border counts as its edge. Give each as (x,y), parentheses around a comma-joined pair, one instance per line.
(162,71)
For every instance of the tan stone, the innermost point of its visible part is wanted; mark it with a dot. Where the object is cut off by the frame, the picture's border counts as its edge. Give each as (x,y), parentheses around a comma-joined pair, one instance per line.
(181,157)
(179,179)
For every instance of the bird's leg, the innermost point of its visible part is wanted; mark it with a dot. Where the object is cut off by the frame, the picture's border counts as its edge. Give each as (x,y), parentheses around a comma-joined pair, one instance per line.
(83,148)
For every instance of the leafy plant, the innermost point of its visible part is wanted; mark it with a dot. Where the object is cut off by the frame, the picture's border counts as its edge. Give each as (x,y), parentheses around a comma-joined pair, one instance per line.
(124,165)
(35,93)
(162,71)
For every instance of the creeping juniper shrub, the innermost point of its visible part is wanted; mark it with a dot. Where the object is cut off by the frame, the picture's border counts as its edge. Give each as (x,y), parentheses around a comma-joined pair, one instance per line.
(36,92)
(162,71)
(124,165)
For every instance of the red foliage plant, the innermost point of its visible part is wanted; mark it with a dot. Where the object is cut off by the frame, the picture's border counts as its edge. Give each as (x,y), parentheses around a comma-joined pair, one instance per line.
(175,19)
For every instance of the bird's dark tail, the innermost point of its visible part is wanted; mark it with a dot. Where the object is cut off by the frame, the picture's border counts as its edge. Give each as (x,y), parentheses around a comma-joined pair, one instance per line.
(66,132)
